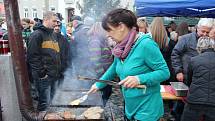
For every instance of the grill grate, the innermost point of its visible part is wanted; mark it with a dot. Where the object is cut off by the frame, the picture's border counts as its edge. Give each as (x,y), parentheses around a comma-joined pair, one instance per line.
(76,110)
(62,99)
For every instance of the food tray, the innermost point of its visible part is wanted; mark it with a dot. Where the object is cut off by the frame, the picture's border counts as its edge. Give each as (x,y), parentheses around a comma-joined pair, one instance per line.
(179,89)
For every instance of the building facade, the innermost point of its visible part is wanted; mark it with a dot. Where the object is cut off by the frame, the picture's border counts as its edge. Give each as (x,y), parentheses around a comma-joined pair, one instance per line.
(69,8)
(35,8)
(74,7)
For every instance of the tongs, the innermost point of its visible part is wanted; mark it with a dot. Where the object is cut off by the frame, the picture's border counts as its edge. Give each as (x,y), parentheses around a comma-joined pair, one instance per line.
(107,82)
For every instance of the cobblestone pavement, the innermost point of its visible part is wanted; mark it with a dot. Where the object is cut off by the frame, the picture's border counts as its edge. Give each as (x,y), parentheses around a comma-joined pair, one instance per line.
(116,106)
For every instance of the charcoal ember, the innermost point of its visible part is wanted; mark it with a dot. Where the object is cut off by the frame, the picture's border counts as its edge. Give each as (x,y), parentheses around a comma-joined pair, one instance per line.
(52,116)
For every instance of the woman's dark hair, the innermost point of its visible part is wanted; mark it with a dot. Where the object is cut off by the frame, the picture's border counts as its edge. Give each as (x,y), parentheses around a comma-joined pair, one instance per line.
(117,16)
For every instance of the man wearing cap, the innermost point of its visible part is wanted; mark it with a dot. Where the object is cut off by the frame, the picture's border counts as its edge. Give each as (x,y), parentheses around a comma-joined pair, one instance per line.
(64,50)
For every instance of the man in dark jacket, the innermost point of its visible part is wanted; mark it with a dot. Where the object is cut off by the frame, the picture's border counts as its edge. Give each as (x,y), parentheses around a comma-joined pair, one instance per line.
(80,58)
(80,50)
(43,56)
(201,78)
(64,51)
(184,50)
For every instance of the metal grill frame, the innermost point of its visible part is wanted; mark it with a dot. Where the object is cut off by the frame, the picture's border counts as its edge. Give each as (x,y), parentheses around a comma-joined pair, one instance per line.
(52,110)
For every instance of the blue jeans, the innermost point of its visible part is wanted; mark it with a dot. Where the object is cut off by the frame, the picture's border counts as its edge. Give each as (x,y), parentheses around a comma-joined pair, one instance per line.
(54,85)
(46,89)
(178,108)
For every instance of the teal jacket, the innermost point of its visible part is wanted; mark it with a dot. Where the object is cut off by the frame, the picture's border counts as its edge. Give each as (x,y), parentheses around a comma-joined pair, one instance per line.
(146,62)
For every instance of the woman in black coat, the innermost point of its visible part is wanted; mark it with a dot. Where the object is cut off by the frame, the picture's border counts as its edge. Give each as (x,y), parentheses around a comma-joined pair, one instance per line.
(201,79)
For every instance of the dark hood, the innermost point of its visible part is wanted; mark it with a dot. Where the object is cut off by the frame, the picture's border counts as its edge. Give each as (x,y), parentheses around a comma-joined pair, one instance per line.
(42,27)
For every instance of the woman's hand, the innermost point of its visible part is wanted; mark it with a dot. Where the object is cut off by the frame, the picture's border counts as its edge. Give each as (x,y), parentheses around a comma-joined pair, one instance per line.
(93,89)
(130,82)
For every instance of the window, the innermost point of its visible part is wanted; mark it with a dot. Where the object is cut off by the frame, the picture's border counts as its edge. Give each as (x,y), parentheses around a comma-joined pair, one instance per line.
(26,12)
(69,1)
(34,13)
(52,9)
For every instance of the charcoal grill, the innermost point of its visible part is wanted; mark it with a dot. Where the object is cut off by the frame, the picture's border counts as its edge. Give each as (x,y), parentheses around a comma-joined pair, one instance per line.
(62,99)
(77,110)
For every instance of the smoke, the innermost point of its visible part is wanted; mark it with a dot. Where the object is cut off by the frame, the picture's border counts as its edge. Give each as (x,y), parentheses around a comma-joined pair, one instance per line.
(80,65)
(93,8)
(71,81)
(90,57)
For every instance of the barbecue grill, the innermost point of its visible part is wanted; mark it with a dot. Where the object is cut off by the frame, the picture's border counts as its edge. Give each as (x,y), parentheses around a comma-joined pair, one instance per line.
(61,103)
(76,110)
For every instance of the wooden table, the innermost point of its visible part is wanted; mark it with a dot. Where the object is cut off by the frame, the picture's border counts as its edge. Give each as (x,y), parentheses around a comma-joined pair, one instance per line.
(167,94)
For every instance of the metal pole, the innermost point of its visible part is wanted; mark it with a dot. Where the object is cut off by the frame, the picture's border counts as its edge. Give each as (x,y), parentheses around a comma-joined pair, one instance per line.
(18,53)
(19,62)
(0,111)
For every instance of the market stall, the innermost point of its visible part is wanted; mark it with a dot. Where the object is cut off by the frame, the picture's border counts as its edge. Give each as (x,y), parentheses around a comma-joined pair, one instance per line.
(176,8)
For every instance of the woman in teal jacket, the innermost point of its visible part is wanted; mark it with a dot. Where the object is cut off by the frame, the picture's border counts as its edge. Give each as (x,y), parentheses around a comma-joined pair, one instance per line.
(137,61)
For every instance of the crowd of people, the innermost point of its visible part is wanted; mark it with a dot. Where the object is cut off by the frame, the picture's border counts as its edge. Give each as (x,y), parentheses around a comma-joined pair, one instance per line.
(145,58)
(50,53)
(129,48)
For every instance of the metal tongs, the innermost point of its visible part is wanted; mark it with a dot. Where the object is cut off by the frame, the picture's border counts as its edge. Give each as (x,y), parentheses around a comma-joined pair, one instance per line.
(107,82)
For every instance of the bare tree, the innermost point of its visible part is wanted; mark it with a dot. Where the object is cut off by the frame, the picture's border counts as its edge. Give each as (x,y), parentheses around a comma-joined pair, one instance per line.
(98,8)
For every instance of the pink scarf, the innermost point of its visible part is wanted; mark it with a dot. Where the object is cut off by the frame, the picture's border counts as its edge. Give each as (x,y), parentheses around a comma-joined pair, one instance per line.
(122,49)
